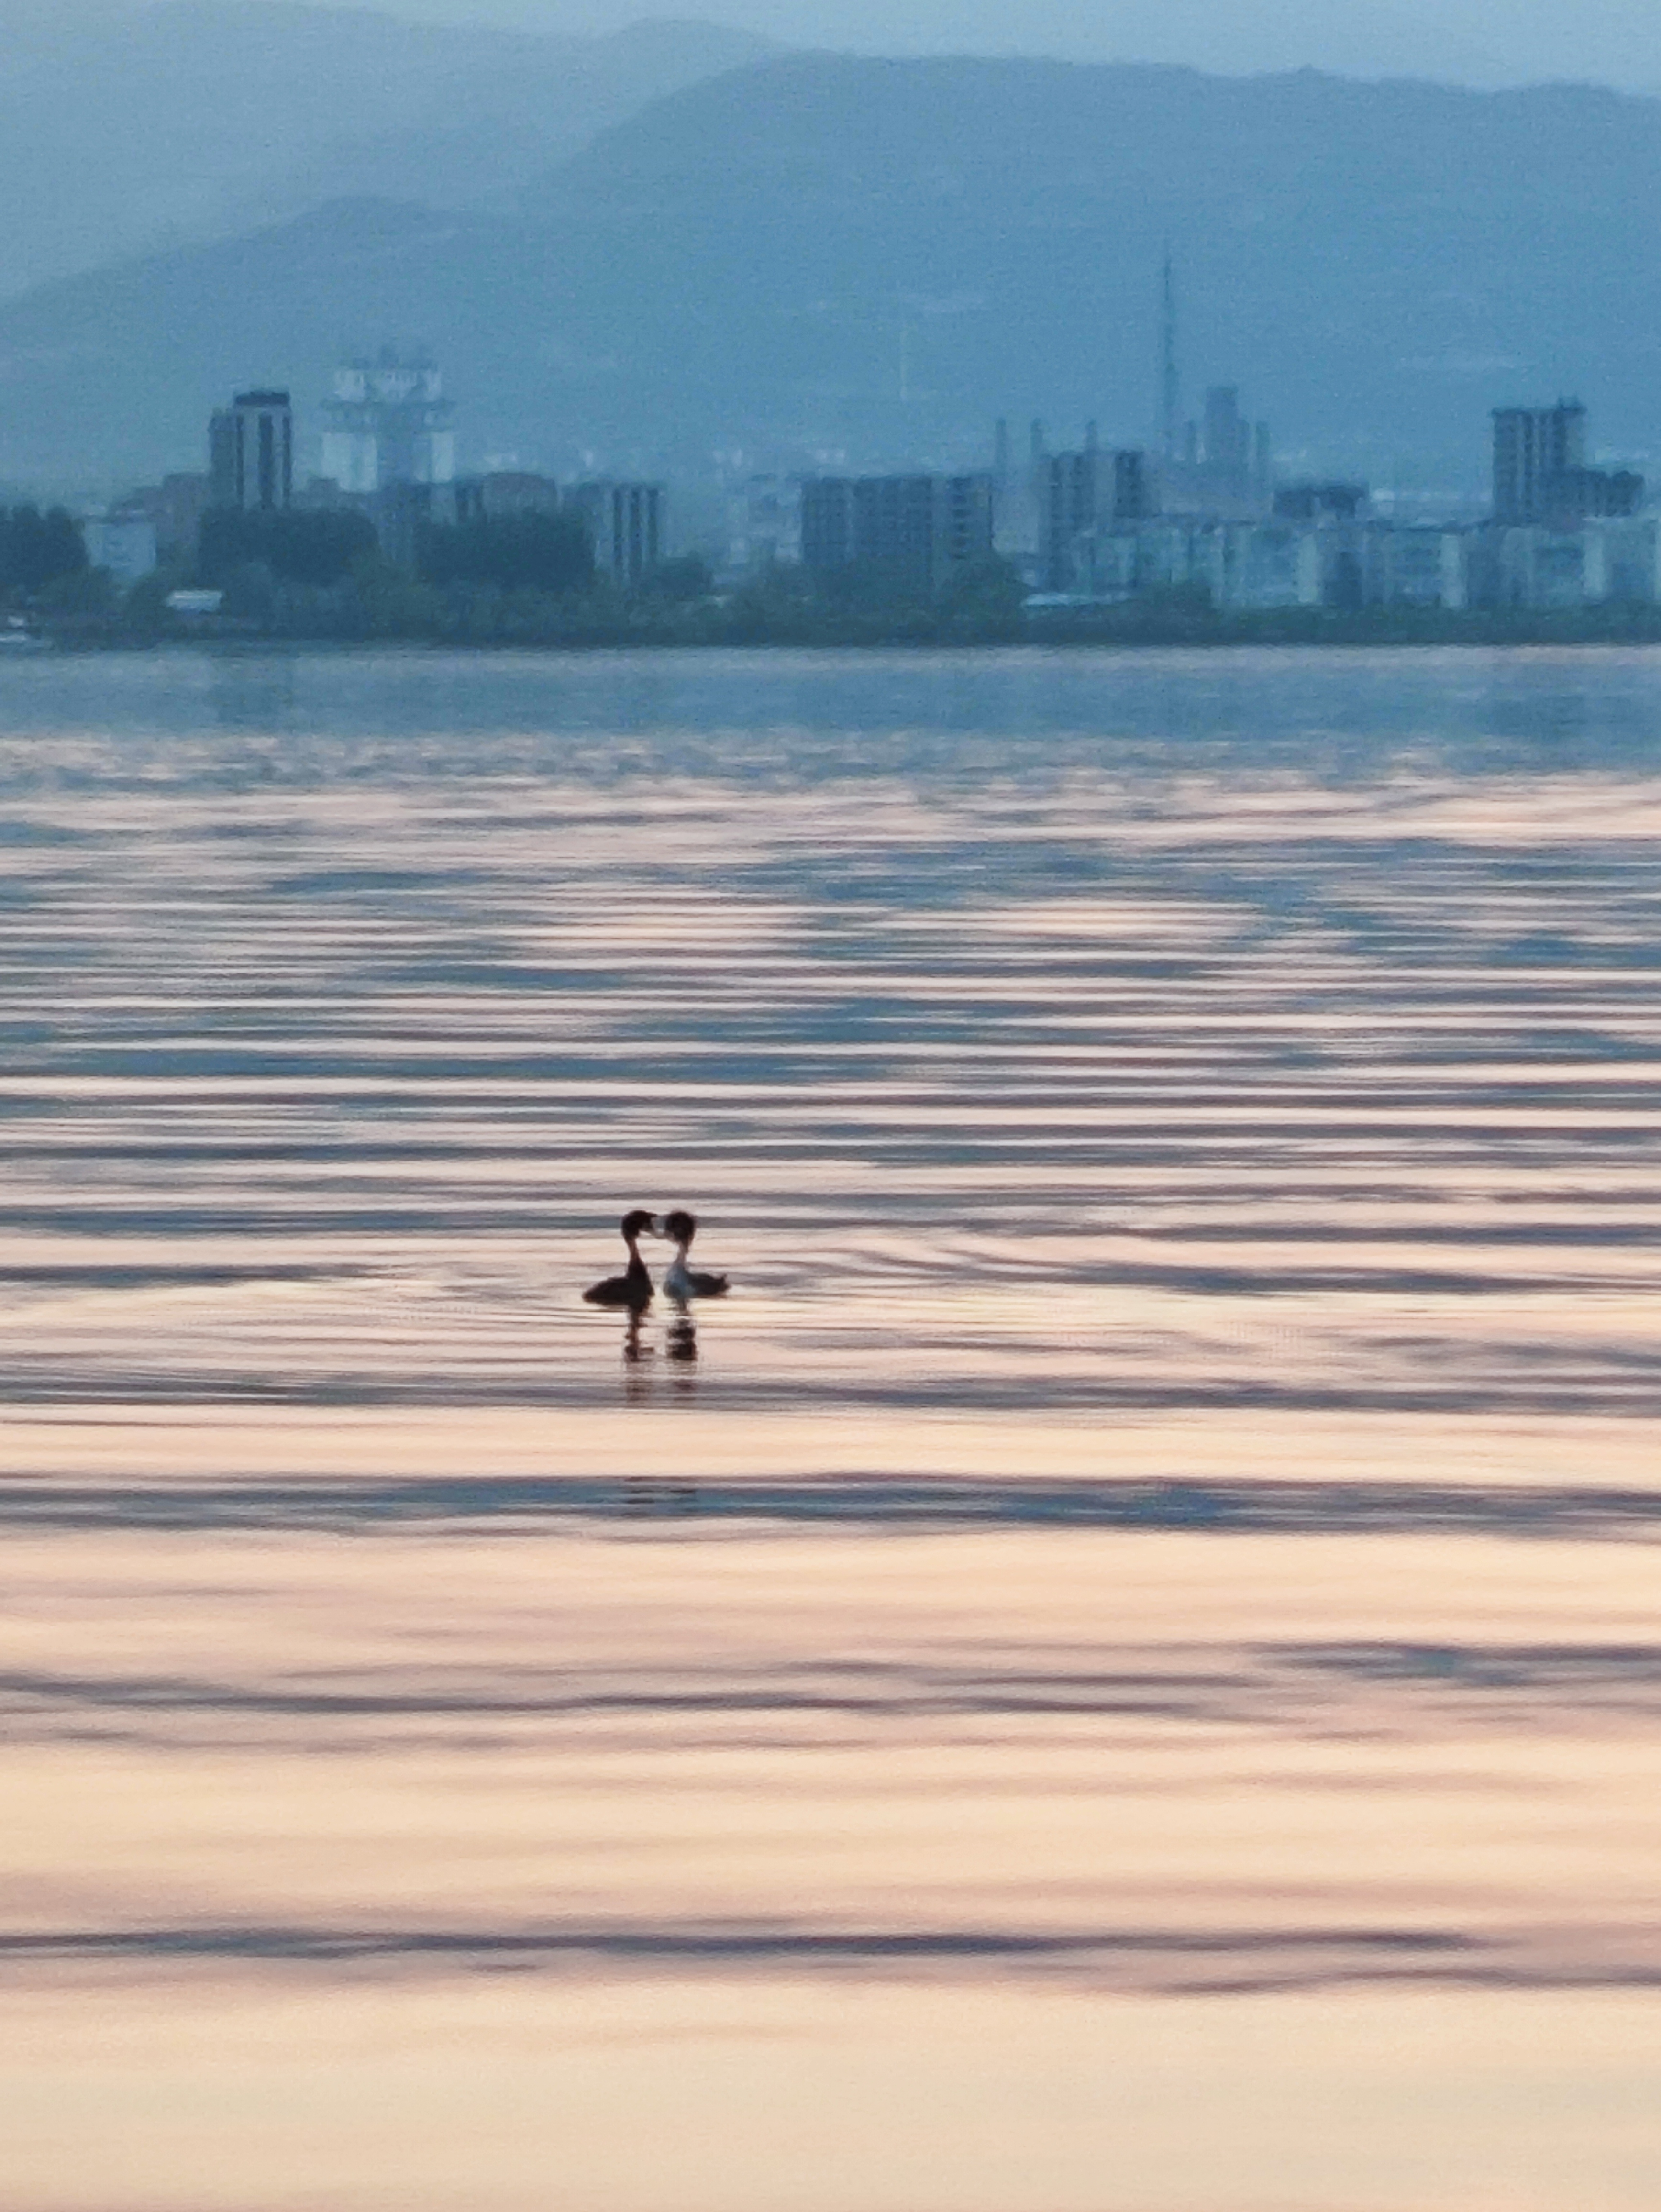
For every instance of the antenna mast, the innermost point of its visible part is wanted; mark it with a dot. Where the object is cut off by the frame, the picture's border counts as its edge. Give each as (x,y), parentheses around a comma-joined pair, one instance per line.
(1169,388)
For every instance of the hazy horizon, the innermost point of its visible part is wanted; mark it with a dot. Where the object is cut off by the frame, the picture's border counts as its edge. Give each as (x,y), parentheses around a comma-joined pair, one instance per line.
(1613,42)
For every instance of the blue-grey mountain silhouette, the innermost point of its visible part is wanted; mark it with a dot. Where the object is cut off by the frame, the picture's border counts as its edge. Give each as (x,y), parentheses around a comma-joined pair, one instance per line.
(1377,264)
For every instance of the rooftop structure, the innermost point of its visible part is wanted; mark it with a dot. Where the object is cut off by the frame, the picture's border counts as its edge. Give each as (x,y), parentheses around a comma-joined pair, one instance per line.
(504,492)
(1320,503)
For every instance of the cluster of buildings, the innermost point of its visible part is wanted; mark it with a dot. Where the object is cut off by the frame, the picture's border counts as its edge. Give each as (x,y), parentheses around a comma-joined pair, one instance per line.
(1092,524)
(388,451)
(1096,525)
(1561,533)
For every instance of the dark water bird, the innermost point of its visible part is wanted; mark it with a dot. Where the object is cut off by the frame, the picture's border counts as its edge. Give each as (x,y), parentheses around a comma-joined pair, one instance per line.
(680,1281)
(633,1287)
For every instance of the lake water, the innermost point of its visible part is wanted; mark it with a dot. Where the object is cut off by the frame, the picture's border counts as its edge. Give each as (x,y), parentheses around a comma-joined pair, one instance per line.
(1120,1671)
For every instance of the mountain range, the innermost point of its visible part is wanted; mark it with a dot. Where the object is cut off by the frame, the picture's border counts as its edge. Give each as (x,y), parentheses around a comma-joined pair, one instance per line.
(124,127)
(876,257)
(1613,42)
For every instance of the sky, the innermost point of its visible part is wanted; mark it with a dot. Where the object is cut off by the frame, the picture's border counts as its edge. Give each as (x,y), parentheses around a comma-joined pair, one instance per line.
(1475,41)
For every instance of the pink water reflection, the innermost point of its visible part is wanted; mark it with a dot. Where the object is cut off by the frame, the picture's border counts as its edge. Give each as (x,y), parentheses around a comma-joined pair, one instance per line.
(1121,1670)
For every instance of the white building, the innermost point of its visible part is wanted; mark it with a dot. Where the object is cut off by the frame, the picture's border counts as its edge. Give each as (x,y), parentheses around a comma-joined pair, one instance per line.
(1415,565)
(1238,564)
(389,424)
(1335,563)
(763,523)
(1267,564)
(1612,559)
(1623,559)
(1537,567)
(124,545)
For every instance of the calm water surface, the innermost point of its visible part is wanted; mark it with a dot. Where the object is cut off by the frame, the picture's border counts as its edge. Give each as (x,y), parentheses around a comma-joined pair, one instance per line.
(1119,1672)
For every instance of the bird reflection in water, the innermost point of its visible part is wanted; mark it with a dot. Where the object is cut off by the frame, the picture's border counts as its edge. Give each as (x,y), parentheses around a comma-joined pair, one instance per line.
(637,1375)
(650,1493)
(681,1346)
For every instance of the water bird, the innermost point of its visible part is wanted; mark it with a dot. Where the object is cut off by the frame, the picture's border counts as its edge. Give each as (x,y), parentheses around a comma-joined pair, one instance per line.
(680,1281)
(633,1287)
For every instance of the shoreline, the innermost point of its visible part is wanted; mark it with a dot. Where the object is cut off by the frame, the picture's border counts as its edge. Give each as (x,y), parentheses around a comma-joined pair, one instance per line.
(1346,634)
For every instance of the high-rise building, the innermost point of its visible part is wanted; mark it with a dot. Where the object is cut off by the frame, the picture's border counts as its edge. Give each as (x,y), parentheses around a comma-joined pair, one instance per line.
(827,524)
(389,424)
(1263,462)
(1066,508)
(1085,491)
(1226,465)
(251,453)
(1227,437)
(965,510)
(894,526)
(1539,471)
(1134,489)
(1535,448)
(1001,452)
(1229,449)
(920,529)
(625,523)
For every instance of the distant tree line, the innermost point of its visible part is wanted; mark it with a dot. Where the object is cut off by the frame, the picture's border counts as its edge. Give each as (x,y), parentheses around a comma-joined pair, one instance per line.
(532,579)
(534,552)
(301,545)
(37,549)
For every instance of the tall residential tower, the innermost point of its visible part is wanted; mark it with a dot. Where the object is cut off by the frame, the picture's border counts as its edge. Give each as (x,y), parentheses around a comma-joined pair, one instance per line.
(1540,474)
(251,453)
(1535,449)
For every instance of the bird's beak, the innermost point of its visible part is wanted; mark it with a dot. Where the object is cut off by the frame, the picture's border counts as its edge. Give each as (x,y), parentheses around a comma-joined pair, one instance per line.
(654,1227)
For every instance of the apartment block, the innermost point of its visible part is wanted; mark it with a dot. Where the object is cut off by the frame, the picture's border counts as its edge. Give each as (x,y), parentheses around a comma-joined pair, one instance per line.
(1540,474)
(1084,492)
(918,529)
(625,522)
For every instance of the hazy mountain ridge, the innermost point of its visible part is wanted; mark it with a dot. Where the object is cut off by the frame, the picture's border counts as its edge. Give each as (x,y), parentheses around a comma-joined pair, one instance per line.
(204,117)
(1376,264)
